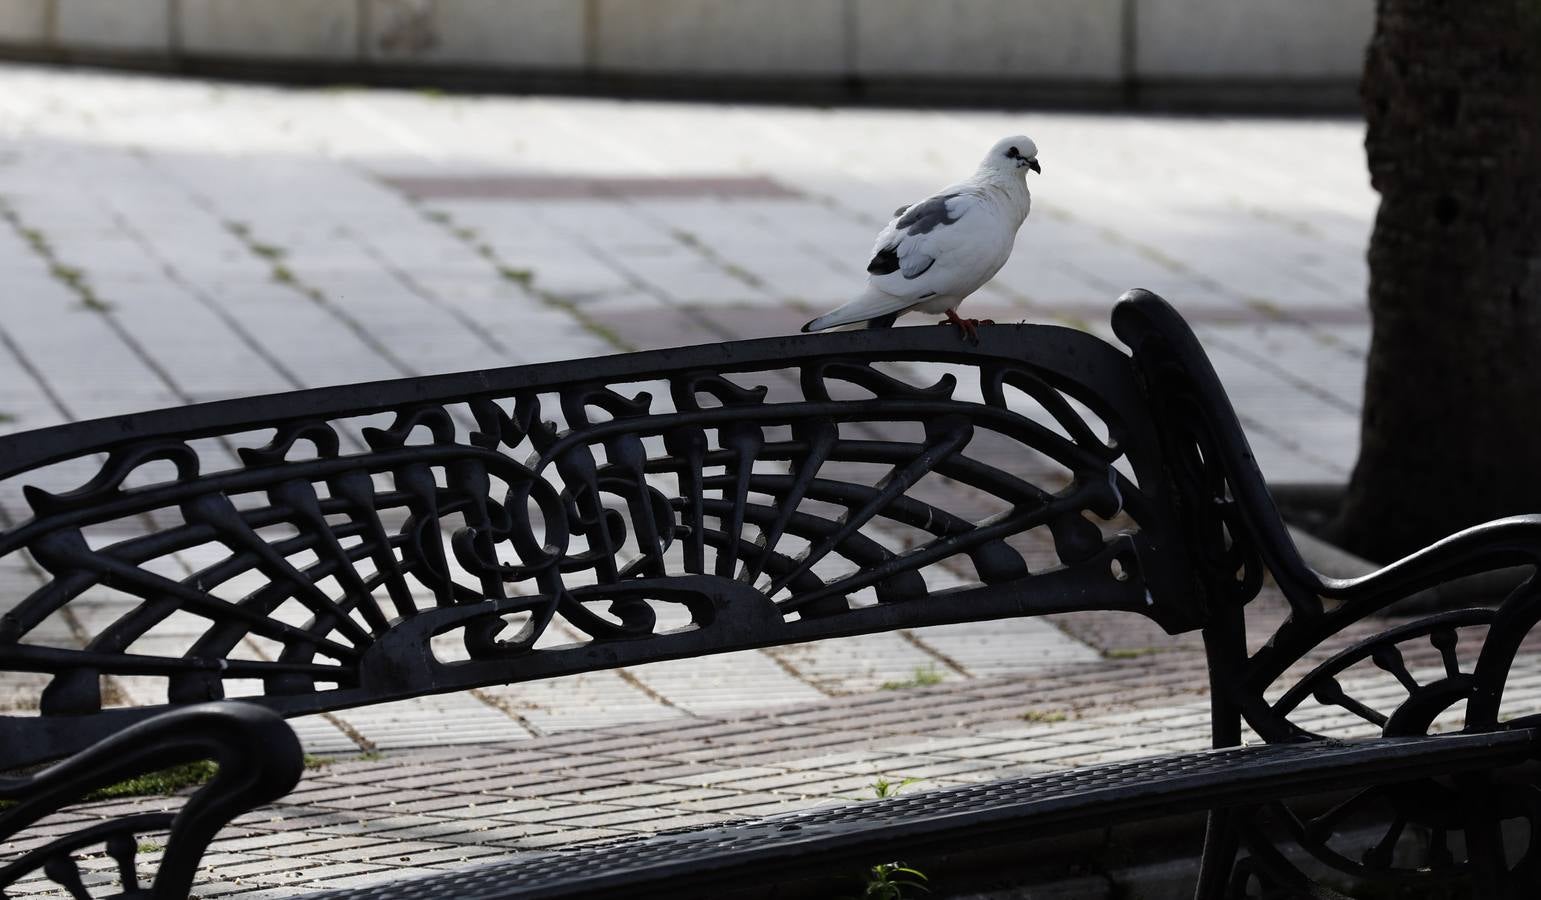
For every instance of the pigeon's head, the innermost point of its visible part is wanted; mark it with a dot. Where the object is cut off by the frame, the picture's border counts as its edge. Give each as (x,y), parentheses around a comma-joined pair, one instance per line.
(1012,154)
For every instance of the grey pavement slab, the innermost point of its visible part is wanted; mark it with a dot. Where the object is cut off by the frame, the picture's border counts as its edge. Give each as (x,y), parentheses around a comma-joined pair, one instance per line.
(362,819)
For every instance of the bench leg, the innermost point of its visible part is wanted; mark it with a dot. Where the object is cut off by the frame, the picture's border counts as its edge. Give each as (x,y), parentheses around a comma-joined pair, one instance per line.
(1485,841)
(1221,842)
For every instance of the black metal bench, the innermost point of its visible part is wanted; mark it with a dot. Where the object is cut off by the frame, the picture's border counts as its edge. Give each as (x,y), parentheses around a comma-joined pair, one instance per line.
(695,501)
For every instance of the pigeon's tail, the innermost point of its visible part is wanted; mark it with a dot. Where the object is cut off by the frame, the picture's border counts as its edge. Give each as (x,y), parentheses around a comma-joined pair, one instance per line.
(874,304)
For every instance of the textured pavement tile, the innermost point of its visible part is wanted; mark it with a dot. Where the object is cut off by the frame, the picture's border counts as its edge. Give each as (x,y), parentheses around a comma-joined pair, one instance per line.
(457,853)
(316,876)
(621,818)
(355,849)
(257,867)
(568,836)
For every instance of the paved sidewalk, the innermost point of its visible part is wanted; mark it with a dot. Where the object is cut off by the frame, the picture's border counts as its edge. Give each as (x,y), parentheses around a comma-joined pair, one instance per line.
(363,820)
(169,241)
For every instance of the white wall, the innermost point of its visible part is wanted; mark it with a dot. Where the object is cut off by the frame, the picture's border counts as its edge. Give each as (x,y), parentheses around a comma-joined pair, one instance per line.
(1025,41)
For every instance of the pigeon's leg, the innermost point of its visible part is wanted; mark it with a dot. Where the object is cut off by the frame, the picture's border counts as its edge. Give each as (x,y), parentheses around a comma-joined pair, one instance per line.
(968,327)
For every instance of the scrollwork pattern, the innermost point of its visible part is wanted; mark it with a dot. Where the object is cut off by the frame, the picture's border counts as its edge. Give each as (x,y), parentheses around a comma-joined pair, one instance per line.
(767,496)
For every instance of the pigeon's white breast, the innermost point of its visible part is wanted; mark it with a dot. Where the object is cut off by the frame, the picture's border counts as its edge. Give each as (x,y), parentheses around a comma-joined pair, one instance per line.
(982,248)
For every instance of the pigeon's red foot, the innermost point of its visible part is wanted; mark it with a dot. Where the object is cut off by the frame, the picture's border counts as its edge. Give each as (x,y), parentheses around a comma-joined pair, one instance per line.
(968,327)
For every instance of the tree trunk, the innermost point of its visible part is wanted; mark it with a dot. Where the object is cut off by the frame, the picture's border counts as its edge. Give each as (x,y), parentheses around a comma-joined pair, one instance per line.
(1452,414)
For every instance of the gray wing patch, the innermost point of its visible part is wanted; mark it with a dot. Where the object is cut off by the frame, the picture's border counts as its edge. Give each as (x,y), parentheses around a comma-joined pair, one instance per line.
(900,211)
(925,215)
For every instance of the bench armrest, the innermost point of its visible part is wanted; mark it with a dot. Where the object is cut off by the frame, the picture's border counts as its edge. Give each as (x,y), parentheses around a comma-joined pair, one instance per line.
(1500,545)
(1488,569)
(258,757)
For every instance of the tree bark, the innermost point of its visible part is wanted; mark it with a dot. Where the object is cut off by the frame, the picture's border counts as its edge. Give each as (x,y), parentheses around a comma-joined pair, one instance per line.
(1451,434)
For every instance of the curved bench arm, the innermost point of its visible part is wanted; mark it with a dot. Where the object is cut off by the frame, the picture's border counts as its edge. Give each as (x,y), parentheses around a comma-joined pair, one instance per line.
(1492,546)
(1182,381)
(259,760)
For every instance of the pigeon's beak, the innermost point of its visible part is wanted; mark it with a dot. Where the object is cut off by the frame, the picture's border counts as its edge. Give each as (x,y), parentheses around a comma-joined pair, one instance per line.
(1033,164)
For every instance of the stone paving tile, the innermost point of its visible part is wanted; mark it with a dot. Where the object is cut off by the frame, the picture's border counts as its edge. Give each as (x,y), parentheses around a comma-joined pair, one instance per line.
(314,876)
(550,786)
(321,735)
(425,838)
(448,719)
(590,700)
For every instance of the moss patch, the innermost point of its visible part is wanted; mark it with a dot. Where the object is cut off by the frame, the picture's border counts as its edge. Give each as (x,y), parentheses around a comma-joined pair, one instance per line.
(1043,715)
(162,783)
(925,676)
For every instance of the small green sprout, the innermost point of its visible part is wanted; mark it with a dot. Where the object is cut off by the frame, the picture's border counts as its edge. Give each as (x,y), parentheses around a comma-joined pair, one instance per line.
(892,881)
(924,676)
(882,788)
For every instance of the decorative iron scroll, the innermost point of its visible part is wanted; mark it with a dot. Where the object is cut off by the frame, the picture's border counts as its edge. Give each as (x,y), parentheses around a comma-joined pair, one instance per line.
(585,515)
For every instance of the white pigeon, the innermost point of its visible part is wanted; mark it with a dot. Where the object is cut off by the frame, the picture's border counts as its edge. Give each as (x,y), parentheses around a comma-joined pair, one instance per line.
(938,251)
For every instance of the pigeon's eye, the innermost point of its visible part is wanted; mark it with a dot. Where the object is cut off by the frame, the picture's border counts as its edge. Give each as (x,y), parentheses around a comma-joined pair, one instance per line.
(1013,153)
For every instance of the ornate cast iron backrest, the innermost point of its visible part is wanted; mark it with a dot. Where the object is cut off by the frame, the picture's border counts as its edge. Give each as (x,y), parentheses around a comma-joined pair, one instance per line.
(330,548)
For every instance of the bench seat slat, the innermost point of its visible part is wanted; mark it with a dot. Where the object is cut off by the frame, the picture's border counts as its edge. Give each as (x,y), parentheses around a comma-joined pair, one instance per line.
(852,836)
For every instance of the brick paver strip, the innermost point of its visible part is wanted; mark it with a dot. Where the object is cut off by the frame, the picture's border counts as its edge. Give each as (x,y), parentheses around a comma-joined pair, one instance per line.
(312,834)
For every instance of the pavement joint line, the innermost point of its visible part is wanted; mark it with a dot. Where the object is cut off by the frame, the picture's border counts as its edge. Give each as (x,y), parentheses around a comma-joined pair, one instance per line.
(291,280)
(353,734)
(506,709)
(139,351)
(1261,361)
(36,375)
(243,235)
(634,281)
(406,280)
(71,277)
(1255,425)
(920,643)
(23,359)
(778,657)
(208,302)
(445,222)
(637,283)
(628,676)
